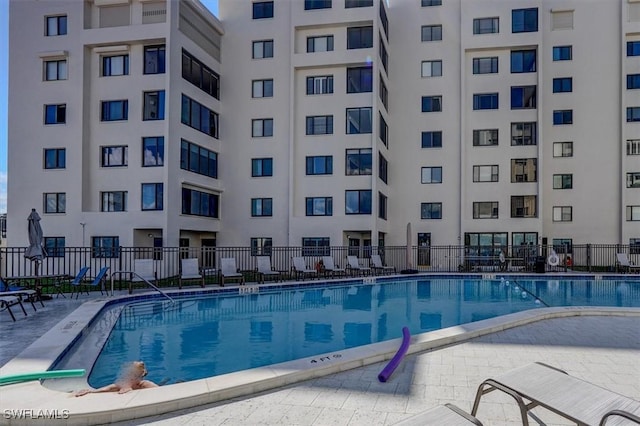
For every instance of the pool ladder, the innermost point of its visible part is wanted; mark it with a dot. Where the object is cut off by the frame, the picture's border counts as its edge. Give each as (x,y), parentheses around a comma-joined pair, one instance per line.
(143,279)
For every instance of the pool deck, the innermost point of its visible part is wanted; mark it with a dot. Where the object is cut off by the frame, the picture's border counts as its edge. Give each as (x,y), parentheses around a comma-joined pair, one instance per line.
(600,345)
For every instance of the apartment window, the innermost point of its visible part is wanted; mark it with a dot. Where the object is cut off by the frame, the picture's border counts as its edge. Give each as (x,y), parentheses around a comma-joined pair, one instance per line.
(523,134)
(358,162)
(55,114)
(524,170)
(431,33)
(486,25)
(115,156)
(105,247)
(633,180)
(198,160)
(432,139)
(113,201)
(54,246)
(154,59)
(153,151)
(359,37)
(432,68)
(198,203)
(261,246)
(262,88)
(358,120)
(425,3)
(55,202)
(524,206)
(358,201)
(384,58)
(261,167)
(348,4)
(359,80)
(262,127)
(384,130)
(199,117)
(55,158)
(563,181)
(633,146)
(430,210)
(261,207)
(55,70)
(115,65)
(562,53)
(633,114)
(485,210)
(633,81)
(383,168)
(262,10)
(564,116)
(319,206)
(487,65)
(524,238)
(562,85)
(524,20)
(320,85)
(384,20)
(152,196)
(634,246)
(523,61)
(431,175)
(485,173)
(115,110)
(200,75)
(523,97)
(563,149)
(485,137)
(319,44)
(562,213)
(320,165)
(633,213)
(262,49)
(316,246)
(561,20)
(55,25)
(153,105)
(431,103)
(317,4)
(382,206)
(633,48)
(485,101)
(320,125)
(384,93)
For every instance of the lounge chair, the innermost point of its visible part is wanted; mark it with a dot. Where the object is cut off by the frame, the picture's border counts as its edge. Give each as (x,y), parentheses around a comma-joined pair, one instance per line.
(229,270)
(331,268)
(378,266)
(98,281)
(143,271)
(266,270)
(301,270)
(27,294)
(76,282)
(447,414)
(190,272)
(354,266)
(626,264)
(6,302)
(541,385)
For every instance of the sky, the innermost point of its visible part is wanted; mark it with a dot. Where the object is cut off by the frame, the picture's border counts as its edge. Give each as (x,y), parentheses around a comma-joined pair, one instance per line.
(4,87)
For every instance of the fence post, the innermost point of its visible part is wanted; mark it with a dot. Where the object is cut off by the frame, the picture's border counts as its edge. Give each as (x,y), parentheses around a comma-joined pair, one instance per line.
(589,257)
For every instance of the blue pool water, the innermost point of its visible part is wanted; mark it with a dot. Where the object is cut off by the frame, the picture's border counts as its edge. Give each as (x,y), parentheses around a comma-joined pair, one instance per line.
(208,336)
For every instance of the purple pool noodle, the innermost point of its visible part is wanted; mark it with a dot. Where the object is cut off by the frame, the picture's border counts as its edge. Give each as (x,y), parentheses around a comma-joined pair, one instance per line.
(395,361)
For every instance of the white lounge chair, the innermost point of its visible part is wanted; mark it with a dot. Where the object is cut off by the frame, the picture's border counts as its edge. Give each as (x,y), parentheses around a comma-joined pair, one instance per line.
(143,269)
(377,265)
(354,265)
(300,268)
(229,271)
(190,272)
(626,264)
(447,414)
(331,268)
(266,270)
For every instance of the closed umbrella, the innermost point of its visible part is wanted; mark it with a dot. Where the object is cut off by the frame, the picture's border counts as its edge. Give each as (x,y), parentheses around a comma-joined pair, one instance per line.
(35,252)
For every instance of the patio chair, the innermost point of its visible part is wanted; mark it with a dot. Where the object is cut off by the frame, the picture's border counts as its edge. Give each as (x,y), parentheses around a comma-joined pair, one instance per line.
(376,260)
(447,414)
(331,268)
(190,272)
(229,270)
(300,268)
(98,281)
(143,269)
(626,264)
(266,270)
(353,266)
(76,283)
(6,302)
(541,385)
(27,294)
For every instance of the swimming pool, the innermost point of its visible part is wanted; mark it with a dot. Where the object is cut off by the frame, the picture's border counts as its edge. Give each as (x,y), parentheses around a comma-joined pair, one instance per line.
(208,336)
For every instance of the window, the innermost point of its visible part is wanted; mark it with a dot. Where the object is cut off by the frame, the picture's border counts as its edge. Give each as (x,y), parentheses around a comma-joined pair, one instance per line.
(348,4)
(154,59)
(358,162)
(562,53)
(524,170)
(524,206)
(199,117)
(262,49)
(262,127)
(633,48)
(197,203)
(523,134)
(432,139)
(486,25)
(523,97)
(115,110)
(485,210)
(562,213)
(563,116)
(55,70)
(317,4)
(55,158)
(153,105)
(384,58)
(316,246)
(562,85)
(432,68)
(633,180)
(563,149)
(431,103)
(319,206)
(55,114)
(383,168)
(633,213)
(55,25)
(55,202)
(431,33)
(153,151)
(358,201)
(261,246)
(198,160)
(634,246)
(425,3)
(115,156)
(113,201)
(320,85)
(633,81)
(431,175)
(561,20)
(524,20)
(200,75)
(523,61)
(261,167)
(262,10)
(633,114)
(384,20)
(115,65)
(485,137)
(152,196)
(262,88)
(633,146)
(320,125)
(384,93)
(384,130)
(359,80)
(54,246)
(524,238)
(358,120)
(382,206)
(487,65)
(319,44)
(563,245)
(485,173)
(563,181)
(105,247)
(485,101)
(359,37)
(430,210)
(320,165)
(261,207)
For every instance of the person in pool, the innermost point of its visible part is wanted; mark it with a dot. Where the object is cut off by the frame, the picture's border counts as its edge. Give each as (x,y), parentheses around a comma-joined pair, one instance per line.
(132,378)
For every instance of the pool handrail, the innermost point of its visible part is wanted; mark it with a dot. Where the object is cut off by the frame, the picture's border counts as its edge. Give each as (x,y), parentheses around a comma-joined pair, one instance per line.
(143,279)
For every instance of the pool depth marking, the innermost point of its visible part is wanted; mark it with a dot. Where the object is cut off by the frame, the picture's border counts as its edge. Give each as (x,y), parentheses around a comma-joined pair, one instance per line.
(249,289)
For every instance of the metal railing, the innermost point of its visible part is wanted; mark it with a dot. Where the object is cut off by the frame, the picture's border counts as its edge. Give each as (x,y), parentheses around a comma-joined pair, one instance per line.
(141,279)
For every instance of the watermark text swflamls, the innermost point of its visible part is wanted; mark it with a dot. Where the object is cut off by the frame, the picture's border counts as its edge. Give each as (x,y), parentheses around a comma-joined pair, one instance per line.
(31,414)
